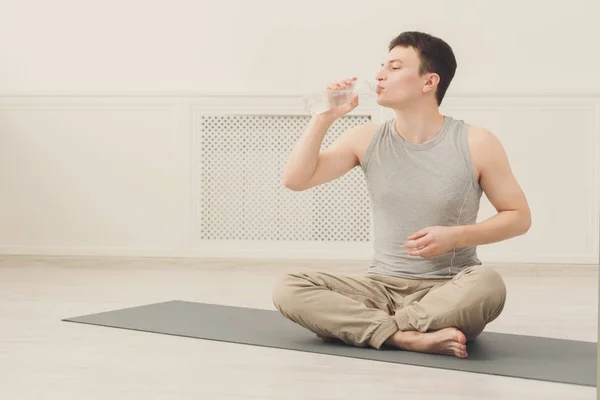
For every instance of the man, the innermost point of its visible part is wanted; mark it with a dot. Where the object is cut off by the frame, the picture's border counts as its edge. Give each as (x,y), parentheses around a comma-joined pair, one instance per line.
(425,290)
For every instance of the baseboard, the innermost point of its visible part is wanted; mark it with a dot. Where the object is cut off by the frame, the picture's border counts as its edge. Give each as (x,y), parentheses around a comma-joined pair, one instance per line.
(350,252)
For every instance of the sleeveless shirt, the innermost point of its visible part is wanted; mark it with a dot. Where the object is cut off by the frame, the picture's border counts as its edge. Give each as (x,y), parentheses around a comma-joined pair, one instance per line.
(414,186)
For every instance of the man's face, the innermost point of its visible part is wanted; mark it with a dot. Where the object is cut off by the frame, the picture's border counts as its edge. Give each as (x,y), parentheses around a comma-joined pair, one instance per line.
(400,80)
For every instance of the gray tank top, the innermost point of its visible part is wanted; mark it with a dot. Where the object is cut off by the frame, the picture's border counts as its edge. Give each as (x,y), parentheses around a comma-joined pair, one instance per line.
(413,186)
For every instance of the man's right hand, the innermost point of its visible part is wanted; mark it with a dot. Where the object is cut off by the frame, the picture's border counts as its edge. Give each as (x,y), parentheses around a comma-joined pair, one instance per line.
(339,111)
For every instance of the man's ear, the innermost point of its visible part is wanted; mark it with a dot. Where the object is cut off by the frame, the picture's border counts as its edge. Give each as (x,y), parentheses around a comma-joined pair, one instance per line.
(431,83)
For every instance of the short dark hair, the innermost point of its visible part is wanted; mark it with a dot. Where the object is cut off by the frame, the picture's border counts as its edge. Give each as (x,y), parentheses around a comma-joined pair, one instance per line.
(436,56)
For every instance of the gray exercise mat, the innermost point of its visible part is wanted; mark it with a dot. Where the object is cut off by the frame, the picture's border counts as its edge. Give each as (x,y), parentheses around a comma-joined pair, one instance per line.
(530,357)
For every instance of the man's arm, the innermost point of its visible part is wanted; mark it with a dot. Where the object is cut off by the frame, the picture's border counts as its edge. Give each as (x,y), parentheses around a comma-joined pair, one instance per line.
(309,166)
(498,182)
(502,190)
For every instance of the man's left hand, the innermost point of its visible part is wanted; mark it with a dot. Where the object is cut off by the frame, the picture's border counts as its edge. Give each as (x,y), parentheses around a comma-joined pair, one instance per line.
(432,241)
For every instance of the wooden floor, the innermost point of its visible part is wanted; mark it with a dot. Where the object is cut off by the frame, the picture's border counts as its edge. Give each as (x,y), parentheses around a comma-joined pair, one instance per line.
(44,358)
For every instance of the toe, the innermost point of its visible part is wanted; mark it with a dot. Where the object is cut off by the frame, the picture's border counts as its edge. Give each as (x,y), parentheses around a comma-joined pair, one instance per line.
(460,337)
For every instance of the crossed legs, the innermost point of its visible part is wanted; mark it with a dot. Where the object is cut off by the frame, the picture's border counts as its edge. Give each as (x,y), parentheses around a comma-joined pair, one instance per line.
(437,316)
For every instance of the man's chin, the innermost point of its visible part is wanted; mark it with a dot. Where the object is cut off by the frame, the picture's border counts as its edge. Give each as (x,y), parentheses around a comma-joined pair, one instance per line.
(398,103)
(384,103)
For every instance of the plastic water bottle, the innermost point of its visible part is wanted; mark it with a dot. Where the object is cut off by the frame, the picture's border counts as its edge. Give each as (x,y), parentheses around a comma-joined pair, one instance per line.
(320,102)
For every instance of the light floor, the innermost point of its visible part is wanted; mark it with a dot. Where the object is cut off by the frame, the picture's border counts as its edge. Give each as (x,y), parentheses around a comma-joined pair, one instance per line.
(44,358)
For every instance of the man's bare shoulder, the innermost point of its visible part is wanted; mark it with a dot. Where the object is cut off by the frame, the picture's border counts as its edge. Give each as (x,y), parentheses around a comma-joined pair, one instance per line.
(484,146)
(360,137)
(482,139)
(479,132)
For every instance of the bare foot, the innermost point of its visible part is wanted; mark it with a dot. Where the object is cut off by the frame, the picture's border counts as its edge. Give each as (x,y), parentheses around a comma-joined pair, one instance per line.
(449,341)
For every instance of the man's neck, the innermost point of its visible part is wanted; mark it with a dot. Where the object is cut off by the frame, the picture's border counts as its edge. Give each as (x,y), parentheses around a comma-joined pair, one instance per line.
(418,124)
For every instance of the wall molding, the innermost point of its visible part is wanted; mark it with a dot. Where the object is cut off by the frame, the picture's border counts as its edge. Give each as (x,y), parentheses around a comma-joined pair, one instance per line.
(186,106)
(296,251)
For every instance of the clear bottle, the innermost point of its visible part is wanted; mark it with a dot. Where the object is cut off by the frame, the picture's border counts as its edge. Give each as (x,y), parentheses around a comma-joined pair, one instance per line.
(320,102)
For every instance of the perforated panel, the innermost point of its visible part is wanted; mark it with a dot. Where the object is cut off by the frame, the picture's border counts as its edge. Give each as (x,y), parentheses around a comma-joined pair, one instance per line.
(241,161)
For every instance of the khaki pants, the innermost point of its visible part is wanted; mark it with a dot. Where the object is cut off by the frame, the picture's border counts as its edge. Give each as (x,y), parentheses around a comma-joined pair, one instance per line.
(366,310)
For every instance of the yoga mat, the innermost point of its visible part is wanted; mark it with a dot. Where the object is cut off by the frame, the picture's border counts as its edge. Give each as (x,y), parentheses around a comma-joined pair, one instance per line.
(530,357)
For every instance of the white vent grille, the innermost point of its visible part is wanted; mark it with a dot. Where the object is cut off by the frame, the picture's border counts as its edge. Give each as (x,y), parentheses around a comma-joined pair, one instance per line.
(241,160)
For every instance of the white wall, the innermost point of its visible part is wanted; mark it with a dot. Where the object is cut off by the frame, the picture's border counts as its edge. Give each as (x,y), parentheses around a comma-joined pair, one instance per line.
(232,46)
(100,103)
